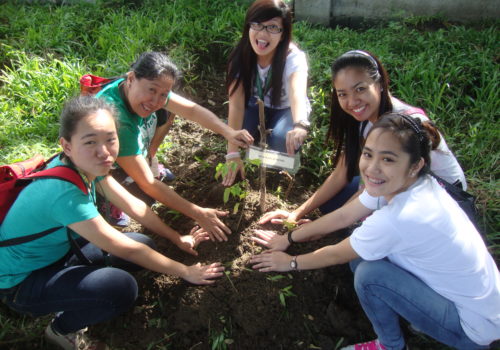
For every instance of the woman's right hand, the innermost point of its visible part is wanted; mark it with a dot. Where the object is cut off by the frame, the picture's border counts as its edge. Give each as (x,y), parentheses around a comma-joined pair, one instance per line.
(203,274)
(278,217)
(234,166)
(271,240)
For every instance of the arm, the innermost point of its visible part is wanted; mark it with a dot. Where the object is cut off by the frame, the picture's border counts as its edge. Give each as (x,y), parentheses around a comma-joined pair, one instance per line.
(137,168)
(331,222)
(327,256)
(298,89)
(235,121)
(332,185)
(159,136)
(138,210)
(336,220)
(194,112)
(100,233)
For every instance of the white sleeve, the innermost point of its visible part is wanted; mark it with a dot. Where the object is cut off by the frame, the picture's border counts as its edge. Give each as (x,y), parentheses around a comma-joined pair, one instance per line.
(295,62)
(371,202)
(376,238)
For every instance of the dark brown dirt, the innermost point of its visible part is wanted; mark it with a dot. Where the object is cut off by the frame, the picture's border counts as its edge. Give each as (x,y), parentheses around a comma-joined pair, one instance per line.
(243,306)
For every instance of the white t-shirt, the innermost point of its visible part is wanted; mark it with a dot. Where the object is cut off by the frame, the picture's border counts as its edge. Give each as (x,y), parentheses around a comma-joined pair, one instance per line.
(443,162)
(424,231)
(295,62)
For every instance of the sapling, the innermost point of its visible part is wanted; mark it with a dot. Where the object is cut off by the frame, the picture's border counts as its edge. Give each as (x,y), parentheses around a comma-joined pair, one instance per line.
(237,190)
(263,145)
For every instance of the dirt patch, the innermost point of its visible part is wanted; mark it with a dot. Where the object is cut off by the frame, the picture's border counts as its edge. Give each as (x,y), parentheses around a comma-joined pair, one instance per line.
(244,309)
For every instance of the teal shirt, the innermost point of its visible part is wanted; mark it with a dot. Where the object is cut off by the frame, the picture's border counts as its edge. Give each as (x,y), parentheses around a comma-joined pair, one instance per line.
(135,133)
(43,204)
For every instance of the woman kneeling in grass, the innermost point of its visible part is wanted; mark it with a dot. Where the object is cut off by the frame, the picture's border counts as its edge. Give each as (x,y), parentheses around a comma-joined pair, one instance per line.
(418,256)
(43,276)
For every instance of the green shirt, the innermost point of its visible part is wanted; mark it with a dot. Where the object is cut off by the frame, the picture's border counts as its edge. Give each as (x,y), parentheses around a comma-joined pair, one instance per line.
(135,133)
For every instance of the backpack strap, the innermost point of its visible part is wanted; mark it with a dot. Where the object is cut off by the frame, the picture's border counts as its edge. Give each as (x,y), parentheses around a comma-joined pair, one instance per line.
(61,172)
(28,238)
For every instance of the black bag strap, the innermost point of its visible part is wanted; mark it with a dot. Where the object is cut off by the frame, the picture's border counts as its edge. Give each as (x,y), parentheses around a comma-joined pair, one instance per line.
(76,249)
(464,199)
(27,238)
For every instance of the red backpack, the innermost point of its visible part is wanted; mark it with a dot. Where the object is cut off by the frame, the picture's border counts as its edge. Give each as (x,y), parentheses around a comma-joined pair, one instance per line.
(15,177)
(92,84)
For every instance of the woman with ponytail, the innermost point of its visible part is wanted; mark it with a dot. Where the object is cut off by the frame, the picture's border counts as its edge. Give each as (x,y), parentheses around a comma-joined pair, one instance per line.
(417,256)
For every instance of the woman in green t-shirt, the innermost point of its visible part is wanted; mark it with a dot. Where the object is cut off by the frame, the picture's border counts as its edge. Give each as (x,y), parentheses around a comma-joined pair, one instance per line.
(146,89)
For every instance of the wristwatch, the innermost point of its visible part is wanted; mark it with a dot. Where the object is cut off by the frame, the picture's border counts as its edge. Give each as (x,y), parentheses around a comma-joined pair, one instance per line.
(293,263)
(302,124)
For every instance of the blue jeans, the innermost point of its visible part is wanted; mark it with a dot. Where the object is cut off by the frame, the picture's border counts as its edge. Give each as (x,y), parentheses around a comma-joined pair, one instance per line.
(387,292)
(79,295)
(280,120)
(340,198)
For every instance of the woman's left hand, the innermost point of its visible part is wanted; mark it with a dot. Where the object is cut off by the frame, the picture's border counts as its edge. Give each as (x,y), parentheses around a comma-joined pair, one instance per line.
(188,243)
(294,139)
(242,138)
(271,261)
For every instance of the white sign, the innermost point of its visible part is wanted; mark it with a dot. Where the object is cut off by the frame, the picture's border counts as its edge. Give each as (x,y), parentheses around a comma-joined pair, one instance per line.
(272,159)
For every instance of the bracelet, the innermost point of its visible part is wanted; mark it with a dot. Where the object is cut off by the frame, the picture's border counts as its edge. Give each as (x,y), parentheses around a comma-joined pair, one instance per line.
(232,155)
(289,236)
(302,124)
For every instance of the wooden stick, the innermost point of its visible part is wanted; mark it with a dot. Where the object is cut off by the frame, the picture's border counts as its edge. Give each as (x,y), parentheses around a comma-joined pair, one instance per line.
(263,145)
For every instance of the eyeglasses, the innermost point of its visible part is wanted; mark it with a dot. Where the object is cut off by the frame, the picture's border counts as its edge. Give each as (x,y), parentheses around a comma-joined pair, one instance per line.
(272,28)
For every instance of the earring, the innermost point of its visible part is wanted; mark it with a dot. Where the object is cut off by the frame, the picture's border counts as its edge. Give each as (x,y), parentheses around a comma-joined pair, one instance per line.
(412,174)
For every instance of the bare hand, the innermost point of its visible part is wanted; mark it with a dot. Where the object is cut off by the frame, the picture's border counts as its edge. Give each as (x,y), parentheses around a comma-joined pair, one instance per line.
(277,217)
(233,171)
(188,243)
(271,240)
(204,274)
(242,138)
(271,261)
(294,139)
(210,222)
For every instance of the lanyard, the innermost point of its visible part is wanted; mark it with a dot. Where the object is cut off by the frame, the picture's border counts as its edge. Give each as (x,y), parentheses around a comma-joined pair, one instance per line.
(258,83)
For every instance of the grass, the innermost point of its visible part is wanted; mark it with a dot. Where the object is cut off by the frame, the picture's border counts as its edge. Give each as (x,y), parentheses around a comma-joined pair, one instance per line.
(451,72)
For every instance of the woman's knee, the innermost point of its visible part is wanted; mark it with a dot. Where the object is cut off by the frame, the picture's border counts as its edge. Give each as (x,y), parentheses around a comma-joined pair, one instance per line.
(115,285)
(369,272)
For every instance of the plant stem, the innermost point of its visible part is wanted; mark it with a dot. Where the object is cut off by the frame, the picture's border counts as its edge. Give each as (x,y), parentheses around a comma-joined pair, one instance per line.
(263,145)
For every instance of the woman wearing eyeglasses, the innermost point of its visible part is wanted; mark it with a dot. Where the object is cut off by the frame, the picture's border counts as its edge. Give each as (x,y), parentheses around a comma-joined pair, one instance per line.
(267,65)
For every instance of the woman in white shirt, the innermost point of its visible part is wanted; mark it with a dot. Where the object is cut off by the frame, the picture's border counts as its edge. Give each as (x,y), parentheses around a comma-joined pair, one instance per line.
(421,257)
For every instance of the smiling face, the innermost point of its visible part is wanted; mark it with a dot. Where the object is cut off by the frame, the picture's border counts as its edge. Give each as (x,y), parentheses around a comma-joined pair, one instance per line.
(385,167)
(147,96)
(263,43)
(94,144)
(358,94)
